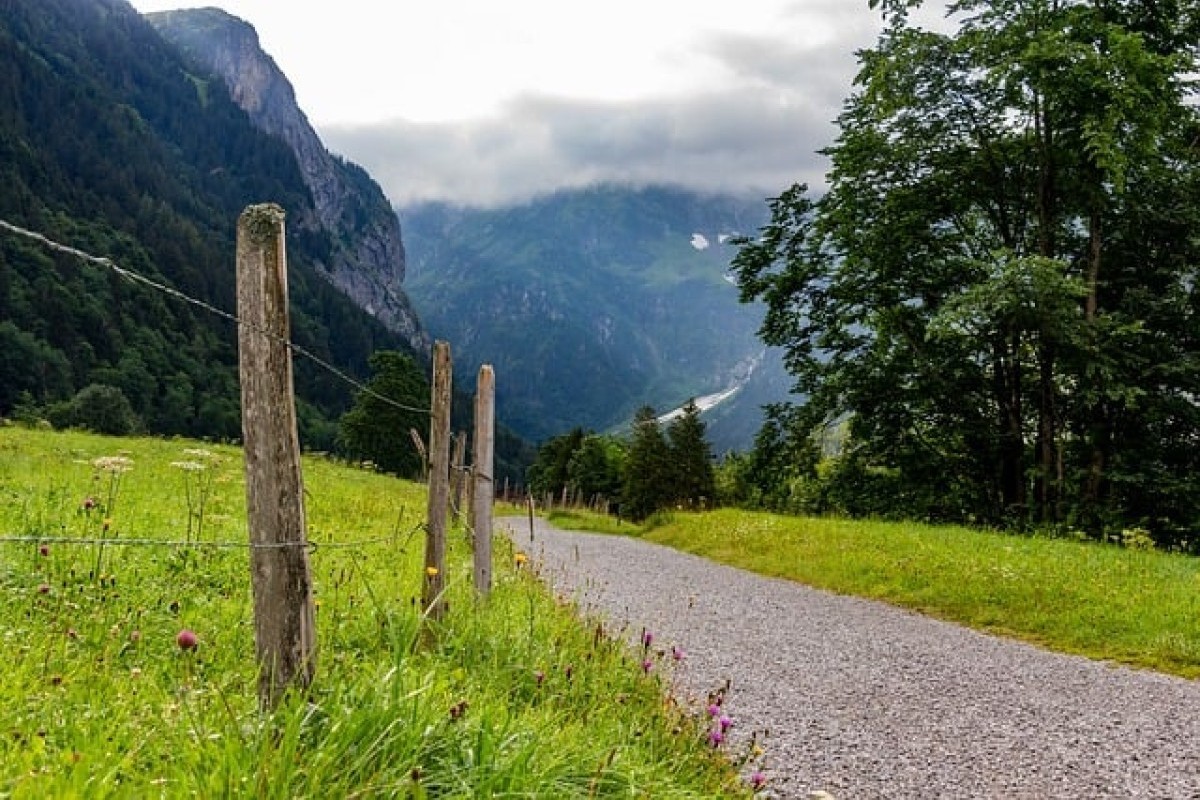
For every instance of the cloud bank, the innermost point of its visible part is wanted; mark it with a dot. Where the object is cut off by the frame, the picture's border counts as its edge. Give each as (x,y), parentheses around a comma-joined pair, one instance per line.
(757,128)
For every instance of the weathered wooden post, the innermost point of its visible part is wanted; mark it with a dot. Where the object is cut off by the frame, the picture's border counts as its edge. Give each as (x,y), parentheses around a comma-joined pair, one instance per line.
(439,485)
(458,474)
(482,459)
(284,632)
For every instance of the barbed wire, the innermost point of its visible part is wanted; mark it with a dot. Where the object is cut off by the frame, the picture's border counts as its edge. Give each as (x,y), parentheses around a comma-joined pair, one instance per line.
(136,277)
(311,545)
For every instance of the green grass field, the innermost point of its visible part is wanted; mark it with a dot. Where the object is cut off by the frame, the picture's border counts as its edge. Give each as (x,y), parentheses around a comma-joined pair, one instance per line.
(1106,602)
(520,697)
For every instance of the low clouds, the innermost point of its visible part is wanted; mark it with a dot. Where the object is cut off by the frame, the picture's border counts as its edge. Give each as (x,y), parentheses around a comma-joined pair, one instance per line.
(756,129)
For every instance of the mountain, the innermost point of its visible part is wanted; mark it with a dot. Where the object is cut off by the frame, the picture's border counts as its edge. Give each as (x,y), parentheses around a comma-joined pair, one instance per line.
(111,141)
(594,302)
(367,256)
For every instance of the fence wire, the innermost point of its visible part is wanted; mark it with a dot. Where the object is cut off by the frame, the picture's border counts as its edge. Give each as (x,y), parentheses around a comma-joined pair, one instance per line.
(134,541)
(138,278)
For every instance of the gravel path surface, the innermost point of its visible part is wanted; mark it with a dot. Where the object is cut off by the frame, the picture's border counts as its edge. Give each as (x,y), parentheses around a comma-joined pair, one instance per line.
(864,700)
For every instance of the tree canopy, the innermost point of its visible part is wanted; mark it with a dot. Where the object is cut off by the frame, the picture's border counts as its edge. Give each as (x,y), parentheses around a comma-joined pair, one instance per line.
(998,290)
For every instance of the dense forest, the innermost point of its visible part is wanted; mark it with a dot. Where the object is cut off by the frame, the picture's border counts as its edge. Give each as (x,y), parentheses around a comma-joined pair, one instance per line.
(109,144)
(992,311)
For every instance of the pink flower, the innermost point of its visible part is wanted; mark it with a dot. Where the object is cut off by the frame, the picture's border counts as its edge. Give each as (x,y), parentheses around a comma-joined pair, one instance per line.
(187,640)
(725,723)
(757,781)
(647,665)
(647,639)
(677,652)
(715,738)
(714,710)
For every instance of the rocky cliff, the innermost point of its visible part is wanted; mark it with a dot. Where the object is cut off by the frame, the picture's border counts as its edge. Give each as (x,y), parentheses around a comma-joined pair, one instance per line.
(367,256)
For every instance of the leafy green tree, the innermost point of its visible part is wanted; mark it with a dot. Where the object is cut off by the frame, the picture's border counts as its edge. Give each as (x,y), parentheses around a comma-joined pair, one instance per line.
(691,459)
(999,287)
(98,408)
(549,472)
(377,428)
(597,467)
(647,485)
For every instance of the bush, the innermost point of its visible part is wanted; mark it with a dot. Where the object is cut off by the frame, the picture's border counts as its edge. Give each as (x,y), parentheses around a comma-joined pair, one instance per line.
(99,408)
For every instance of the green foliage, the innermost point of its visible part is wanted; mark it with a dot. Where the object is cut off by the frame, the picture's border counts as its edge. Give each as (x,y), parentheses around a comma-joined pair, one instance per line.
(97,408)
(691,460)
(520,697)
(648,483)
(377,430)
(596,468)
(549,472)
(997,294)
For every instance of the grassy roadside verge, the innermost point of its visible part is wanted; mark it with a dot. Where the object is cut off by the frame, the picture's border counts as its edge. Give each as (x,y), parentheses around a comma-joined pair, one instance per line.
(520,697)
(1105,602)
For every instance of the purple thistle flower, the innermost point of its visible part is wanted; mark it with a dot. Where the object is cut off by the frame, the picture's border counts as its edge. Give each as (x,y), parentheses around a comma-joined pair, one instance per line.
(647,639)
(715,738)
(725,723)
(647,665)
(757,781)
(677,652)
(714,710)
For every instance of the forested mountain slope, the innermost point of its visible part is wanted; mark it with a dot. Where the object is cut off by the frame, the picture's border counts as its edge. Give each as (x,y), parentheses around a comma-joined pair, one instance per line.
(109,142)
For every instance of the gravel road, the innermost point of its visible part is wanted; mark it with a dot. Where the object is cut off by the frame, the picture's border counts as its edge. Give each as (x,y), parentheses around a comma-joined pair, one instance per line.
(863,700)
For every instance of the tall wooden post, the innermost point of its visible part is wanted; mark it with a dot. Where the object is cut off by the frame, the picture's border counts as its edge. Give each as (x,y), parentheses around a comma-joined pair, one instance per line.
(484,489)
(457,474)
(284,631)
(439,484)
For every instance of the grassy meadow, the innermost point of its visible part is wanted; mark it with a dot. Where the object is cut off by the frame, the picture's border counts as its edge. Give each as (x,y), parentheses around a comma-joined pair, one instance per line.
(1137,607)
(102,694)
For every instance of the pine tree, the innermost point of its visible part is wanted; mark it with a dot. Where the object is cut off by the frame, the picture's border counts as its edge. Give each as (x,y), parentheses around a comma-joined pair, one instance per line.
(646,488)
(691,459)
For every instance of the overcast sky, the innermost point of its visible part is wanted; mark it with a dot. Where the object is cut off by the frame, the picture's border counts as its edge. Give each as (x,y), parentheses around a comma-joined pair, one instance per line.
(475,101)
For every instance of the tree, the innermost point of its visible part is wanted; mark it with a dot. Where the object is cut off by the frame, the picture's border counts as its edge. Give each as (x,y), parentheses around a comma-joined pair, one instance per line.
(377,428)
(549,471)
(647,486)
(999,288)
(596,469)
(691,460)
(98,408)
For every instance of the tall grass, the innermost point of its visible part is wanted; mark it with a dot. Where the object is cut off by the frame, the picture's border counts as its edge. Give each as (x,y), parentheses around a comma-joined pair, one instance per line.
(519,697)
(1132,606)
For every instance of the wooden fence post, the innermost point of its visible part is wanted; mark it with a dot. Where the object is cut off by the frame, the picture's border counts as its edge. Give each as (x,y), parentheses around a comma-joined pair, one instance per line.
(458,474)
(439,484)
(284,631)
(484,490)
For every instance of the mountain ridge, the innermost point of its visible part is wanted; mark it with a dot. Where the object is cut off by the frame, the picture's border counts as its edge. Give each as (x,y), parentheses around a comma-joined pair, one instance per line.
(367,259)
(594,302)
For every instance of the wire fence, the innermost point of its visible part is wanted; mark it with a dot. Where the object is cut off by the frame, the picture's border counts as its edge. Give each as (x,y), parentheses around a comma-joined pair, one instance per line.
(132,541)
(135,277)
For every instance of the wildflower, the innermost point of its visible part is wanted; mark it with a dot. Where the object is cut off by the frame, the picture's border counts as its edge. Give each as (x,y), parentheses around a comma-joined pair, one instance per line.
(520,558)
(725,723)
(431,571)
(89,503)
(188,466)
(647,639)
(677,653)
(713,709)
(757,780)
(715,738)
(647,665)
(113,464)
(186,640)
